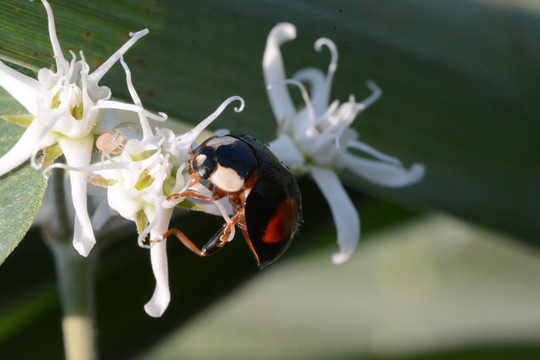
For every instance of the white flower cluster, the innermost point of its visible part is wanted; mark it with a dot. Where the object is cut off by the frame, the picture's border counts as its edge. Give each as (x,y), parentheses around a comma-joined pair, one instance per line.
(71,112)
(66,106)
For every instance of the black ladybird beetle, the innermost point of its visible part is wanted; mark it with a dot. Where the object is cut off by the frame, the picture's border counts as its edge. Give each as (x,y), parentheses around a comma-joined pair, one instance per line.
(263,193)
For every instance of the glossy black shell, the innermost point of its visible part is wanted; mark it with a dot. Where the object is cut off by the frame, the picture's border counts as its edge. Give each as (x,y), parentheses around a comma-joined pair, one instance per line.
(274,187)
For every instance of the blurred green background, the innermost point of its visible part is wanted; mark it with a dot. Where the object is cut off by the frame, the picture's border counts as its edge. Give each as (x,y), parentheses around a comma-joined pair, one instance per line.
(461,90)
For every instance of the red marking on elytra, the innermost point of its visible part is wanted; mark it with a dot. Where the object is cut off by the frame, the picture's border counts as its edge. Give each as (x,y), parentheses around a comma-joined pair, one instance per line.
(282,222)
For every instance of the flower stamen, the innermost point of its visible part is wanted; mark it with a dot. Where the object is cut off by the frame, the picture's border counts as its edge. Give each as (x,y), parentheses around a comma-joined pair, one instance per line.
(305,97)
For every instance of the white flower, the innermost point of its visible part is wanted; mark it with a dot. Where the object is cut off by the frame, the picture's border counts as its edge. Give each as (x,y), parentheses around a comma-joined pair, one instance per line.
(315,139)
(66,105)
(143,175)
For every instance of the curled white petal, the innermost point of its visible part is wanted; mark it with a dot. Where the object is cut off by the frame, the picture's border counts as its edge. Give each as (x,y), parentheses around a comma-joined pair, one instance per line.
(44,133)
(90,168)
(23,148)
(188,138)
(112,104)
(286,150)
(158,257)
(146,130)
(78,153)
(274,73)
(23,88)
(359,145)
(383,173)
(331,68)
(161,224)
(83,239)
(57,50)
(99,72)
(156,219)
(376,93)
(162,296)
(343,211)
(123,202)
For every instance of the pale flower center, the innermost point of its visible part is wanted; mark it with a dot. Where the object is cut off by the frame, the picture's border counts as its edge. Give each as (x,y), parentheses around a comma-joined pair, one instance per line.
(72,97)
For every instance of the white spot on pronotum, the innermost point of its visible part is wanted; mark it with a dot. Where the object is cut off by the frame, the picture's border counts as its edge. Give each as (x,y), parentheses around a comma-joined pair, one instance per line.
(199,159)
(227,179)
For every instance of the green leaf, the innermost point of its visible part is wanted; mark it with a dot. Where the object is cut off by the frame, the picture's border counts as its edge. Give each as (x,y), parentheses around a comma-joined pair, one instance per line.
(23,313)
(460,95)
(21,190)
(447,103)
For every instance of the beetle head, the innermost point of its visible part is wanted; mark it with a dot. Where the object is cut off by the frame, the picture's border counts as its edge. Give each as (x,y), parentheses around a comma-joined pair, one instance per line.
(203,162)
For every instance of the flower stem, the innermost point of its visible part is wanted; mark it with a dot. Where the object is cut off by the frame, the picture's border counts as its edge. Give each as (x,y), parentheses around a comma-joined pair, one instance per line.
(74,273)
(76,285)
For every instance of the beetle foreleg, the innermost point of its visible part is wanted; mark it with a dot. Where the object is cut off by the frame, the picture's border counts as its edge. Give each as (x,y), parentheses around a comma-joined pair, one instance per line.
(197,195)
(216,195)
(192,182)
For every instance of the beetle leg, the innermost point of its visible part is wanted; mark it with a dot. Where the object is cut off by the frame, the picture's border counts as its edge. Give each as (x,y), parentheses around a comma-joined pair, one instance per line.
(216,243)
(211,247)
(229,225)
(185,241)
(218,194)
(192,182)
